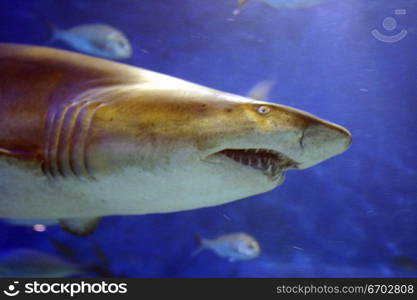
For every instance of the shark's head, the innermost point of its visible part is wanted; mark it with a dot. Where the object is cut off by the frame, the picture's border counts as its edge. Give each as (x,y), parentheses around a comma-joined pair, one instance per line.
(272,138)
(203,143)
(261,139)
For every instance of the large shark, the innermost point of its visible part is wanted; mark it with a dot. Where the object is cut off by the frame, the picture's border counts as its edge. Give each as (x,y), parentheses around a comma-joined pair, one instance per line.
(82,137)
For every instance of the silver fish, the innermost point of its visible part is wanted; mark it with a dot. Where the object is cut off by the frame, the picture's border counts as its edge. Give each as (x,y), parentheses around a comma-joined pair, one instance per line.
(97,39)
(234,246)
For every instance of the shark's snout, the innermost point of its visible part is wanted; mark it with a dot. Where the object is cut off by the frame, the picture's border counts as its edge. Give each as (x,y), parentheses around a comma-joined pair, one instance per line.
(282,138)
(322,140)
(306,139)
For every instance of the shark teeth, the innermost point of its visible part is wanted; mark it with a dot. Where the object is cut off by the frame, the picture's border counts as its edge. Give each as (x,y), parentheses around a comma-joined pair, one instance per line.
(270,162)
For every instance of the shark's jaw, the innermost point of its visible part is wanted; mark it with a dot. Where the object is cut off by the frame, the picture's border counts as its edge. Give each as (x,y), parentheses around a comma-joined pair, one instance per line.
(269,162)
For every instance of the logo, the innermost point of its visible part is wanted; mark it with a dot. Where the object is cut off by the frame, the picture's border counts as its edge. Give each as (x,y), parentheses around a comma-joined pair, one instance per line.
(11,291)
(390,24)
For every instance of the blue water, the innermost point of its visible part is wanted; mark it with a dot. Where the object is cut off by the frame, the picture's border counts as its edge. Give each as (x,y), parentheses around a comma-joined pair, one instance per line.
(349,216)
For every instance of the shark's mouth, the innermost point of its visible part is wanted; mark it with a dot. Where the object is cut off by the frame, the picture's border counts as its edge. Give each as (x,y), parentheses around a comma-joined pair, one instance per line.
(270,162)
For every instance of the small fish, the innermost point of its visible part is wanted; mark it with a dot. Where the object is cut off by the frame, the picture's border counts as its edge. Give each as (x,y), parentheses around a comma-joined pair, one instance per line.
(97,39)
(33,263)
(234,246)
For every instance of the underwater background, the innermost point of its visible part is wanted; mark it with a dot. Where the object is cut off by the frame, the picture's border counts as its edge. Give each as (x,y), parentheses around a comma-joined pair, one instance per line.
(354,215)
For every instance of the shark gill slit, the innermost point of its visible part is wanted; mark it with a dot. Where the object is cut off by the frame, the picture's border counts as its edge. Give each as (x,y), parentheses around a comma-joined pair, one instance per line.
(46,166)
(75,157)
(64,145)
(78,155)
(51,139)
(66,133)
(83,147)
(53,129)
(57,168)
(59,149)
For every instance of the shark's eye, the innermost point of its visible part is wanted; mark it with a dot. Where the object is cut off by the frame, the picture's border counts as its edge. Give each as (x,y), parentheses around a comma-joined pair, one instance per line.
(263,110)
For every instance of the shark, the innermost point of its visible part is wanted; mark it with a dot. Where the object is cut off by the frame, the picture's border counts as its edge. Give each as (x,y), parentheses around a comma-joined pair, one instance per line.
(84,137)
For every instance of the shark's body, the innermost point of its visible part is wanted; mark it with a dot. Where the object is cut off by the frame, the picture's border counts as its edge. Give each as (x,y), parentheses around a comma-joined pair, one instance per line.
(85,137)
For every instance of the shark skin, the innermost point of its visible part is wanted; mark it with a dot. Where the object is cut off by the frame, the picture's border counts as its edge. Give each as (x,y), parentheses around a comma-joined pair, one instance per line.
(83,137)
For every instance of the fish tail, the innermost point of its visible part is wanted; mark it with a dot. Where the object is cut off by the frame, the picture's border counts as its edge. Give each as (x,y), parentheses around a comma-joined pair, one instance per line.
(202,244)
(196,251)
(54,31)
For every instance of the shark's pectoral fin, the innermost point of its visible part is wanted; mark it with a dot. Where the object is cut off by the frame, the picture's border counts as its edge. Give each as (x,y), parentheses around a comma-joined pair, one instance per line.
(80,226)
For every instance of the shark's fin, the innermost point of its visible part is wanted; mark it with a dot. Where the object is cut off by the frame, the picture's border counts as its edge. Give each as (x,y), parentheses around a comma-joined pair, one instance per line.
(261,90)
(79,226)
(203,244)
